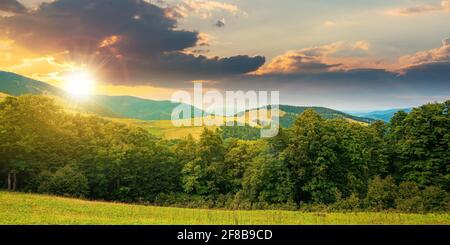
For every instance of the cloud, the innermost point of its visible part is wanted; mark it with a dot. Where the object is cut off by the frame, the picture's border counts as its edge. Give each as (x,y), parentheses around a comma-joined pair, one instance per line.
(179,67)
(342,57)
(433,64)
(140,41)
(303,60)
(443,6)
(220,23)
(12,6)
(319,76)
(361,45)
(329,23)
(355,88)
(201,8)
(42,68)
(324,58)
(433,55)
(340,23)
(434,71)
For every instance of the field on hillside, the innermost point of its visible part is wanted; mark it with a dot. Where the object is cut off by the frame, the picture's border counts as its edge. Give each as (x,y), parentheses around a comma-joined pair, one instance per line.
(164,128)
(2,96)
(19,208)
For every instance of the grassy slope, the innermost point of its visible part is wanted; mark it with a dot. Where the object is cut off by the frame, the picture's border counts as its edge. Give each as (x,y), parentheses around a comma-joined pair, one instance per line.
(17,208)
(2,96)
(164,128)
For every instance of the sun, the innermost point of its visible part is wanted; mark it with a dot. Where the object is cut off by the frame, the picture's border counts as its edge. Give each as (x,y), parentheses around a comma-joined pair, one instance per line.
(79,83)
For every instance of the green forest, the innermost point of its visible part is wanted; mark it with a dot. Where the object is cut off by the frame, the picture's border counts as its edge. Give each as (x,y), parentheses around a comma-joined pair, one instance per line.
(318,163)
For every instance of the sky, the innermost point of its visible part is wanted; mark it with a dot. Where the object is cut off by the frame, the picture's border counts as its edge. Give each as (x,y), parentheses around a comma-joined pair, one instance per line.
(347,55)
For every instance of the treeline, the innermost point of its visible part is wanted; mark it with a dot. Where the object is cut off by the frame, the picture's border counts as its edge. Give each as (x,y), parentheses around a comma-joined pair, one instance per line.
(327,164)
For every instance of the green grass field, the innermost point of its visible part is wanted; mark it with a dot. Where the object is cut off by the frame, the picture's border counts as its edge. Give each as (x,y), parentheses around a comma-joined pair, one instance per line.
(18,208)
(164,128)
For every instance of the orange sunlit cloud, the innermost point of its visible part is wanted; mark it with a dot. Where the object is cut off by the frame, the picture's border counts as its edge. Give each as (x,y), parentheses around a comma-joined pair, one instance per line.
(109,41)
(148,92)
(323,58)
(444,6)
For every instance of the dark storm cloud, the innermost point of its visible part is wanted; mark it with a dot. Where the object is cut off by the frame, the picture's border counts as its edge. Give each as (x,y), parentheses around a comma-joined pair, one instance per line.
(426,76)
(367,78)
(142,28)
(131,35)
(311,75)
(435,71)
(341,88)
(178,67)
(185,63)
(12,6)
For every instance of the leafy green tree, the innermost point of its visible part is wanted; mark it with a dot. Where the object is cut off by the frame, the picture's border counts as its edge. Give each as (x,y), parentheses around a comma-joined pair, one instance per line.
(67,181)
(435,199)
(351,203)
(268,180)
(381,193)
(29,126)
(185,150)
(204,175)
(317,161)
(408,198)
(239,156)
(302,150)
(421,141)
(245,132)
(327,156)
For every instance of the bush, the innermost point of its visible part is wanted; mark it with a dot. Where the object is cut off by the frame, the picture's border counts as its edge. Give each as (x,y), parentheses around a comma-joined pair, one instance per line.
(351,203)
(67,181)
(409,197)
(381,193)
(240,201)
(435,199)
(183,200)
(44,181)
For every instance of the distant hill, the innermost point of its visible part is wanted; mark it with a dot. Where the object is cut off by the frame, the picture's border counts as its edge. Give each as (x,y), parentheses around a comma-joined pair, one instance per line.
(292,113)
(137,108)
(13,84)
(133,107)
(108,106)
(288,114)
(385,115)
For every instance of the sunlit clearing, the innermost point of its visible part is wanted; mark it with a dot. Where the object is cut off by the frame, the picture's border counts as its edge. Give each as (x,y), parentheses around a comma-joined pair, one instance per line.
(79,83)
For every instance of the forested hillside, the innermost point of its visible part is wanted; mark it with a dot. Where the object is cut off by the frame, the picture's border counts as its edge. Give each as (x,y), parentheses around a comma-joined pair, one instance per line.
(316,163)
(288,114)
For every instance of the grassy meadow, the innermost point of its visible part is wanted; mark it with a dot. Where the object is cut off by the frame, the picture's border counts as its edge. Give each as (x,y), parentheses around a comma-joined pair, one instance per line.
(164,128)
(20,208)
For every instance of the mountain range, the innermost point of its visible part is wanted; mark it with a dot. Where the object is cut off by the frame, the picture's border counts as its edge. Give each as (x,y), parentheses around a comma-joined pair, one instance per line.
(108,106)
(383,115)
(134,107)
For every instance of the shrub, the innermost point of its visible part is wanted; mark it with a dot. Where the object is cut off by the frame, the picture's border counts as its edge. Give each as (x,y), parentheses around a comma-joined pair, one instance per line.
(381,193)
(44,181)
(351,203)
(67,181)
(240,201)
(435,199)
(409,197)
(183,200)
